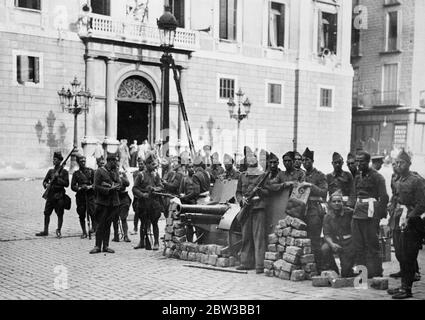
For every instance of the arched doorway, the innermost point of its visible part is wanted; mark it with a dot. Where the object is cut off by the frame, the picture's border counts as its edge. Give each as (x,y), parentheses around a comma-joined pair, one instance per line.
(136,112)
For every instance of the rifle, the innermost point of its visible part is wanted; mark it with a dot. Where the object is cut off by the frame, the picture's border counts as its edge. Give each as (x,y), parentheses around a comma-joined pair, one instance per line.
(243,213)
(58,171)
(164,194)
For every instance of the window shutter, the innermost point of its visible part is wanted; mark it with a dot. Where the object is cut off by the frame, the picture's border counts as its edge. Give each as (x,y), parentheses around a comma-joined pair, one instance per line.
(223,19)
(19,69)
(320,38)
(36,70)
(24,68)
(281,27)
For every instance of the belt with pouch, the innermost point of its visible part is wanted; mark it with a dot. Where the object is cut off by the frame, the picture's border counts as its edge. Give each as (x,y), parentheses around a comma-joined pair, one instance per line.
(371,208)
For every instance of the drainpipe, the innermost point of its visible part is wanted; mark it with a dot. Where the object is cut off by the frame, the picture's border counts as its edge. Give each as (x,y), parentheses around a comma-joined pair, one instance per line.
(296,106)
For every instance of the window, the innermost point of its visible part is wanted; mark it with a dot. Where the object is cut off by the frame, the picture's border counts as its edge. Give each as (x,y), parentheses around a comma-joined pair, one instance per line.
(392,38)
(326,97)
(101,7)
(276,24)
(227,88)
(274,93)
(177,9)
(28,68)
(328,32)
(400,135)
(390,84)
(228,19)
(28,4)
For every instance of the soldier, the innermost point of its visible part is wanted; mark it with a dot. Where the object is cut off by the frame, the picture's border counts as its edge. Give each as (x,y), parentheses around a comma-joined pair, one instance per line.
(57,181)
(172,183)
(215,170)
(316,180)
(149,205)
(377,162)
(409,227)
(277,180)
(141,167)
(82,184)
(370,208)
(200,177)
(291,174)
(125,202)
(230,172)
(337,233)
(341,180)
(298,160)
(106,186)
(254,224)
(351,164)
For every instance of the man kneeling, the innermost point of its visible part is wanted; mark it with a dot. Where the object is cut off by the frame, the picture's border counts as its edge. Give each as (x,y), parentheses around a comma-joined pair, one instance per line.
(337,232)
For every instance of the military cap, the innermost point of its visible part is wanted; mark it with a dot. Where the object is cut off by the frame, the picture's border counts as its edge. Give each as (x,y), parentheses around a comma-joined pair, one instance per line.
(273,157)
(308,154)
(337,193)
(150,157)
(377,157)
(403,155)
(289,154)
(296,153)
(197,160)
(228,159)
(215,158)
(58,155)
(111,155)
(351,156)
(336,156)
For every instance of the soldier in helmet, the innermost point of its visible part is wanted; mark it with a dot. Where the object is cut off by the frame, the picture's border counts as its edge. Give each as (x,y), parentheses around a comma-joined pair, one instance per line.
(409,226)
(171,182)
(200,177)
(254,224)
(107,185)
(149,205)
(215,170)
(377,162)
(82,184)
(57,181)
(230,172)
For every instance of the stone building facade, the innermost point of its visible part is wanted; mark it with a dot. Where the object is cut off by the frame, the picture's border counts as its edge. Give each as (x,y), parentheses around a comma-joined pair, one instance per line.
(389,79)
(292,61)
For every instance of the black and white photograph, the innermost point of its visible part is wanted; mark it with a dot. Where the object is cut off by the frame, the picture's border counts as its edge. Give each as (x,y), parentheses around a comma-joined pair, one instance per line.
(240,151)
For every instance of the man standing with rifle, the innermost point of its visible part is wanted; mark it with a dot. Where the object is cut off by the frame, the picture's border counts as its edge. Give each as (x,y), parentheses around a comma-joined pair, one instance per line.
(55,182)
(106,185)
(82,183)
(252,217)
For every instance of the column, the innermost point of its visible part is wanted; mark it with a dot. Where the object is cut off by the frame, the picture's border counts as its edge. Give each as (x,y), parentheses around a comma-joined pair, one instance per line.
(90,85)
(110,143)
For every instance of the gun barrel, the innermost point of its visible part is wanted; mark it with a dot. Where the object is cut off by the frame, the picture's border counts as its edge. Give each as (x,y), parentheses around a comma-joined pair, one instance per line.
(218,209)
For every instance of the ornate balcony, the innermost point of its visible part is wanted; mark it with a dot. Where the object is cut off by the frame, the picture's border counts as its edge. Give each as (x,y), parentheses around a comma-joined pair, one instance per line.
(104,27)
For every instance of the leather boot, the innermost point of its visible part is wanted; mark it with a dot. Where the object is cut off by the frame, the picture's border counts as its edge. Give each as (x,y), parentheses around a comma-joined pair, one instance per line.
(83,228)
(45,232)
(95,250)
(141,244)
(148,243)
(125,230)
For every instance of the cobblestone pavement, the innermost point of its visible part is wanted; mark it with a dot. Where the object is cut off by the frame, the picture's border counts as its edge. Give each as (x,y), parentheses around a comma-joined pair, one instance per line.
(30,266)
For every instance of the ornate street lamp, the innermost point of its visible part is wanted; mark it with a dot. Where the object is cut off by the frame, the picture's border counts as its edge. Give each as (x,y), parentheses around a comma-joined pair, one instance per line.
(75,101)
(167,25)
(239,115)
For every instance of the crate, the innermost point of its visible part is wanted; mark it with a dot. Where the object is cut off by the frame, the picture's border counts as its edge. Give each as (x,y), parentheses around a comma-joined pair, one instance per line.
(385,249)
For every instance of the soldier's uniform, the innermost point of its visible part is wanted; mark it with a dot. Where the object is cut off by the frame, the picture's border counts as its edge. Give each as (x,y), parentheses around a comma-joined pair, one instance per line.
(214,172)
(107,202)
(253,227)
(314,210)
(149,206)
(125,202)
(85,198)
(171,184)
(342,181)
(337,226)
(134,203)
(408,236)
(292,176)
(370,208)
(55,198)
(201,179)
